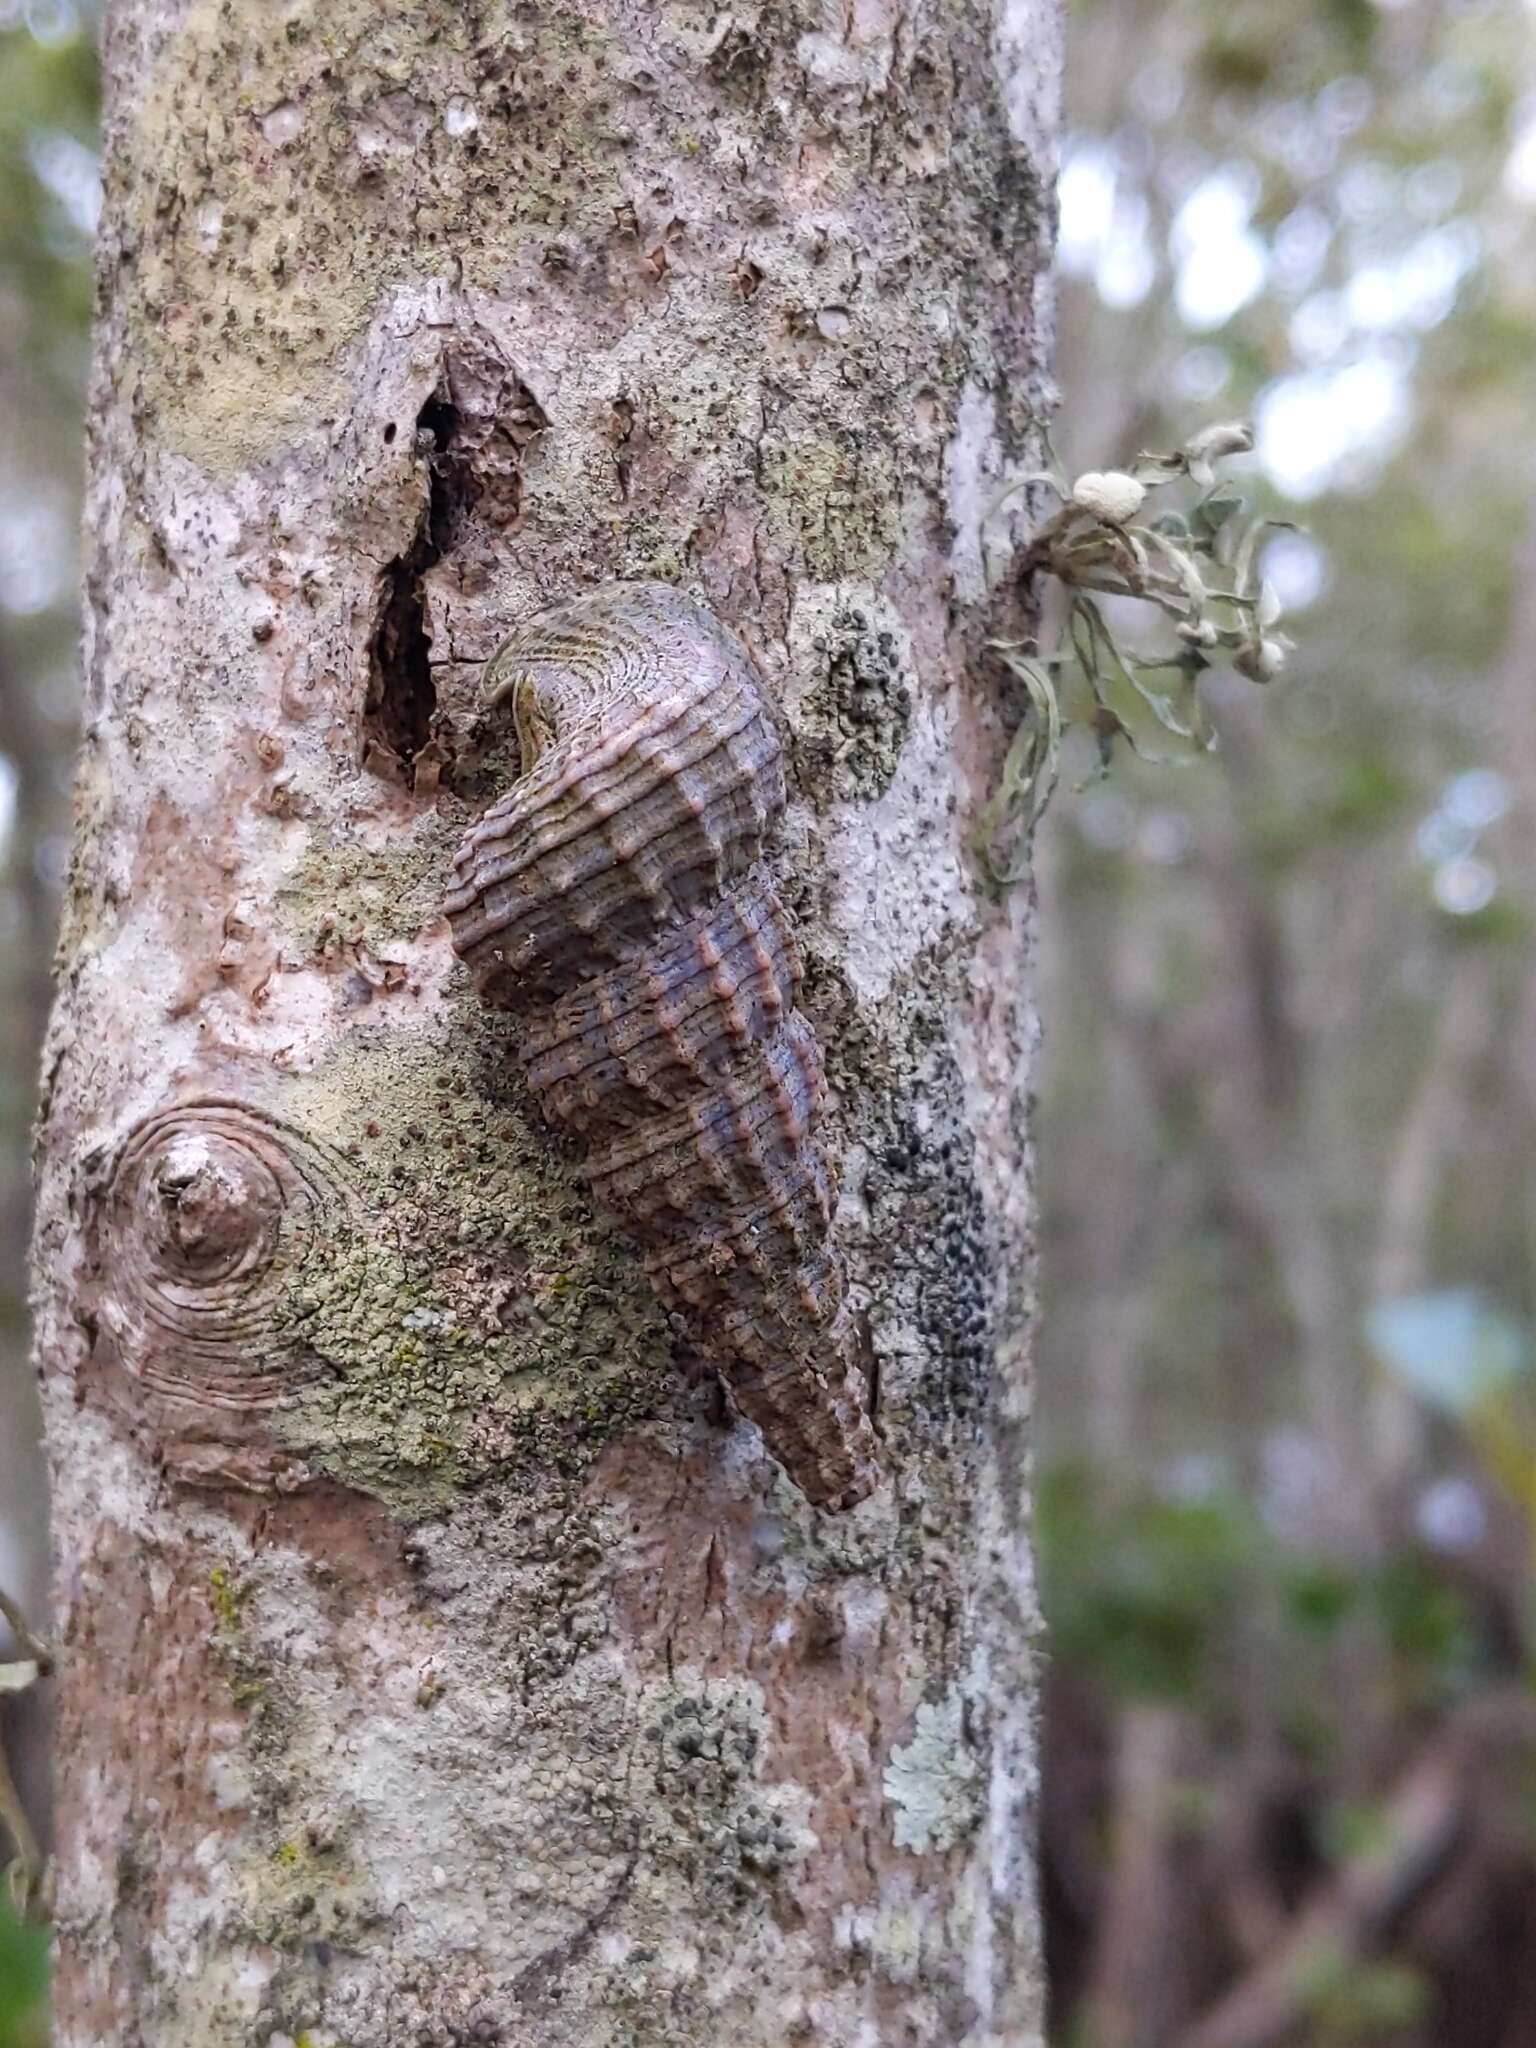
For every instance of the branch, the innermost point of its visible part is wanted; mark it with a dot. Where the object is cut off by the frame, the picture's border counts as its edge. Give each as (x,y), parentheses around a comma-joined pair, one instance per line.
(1424,1822)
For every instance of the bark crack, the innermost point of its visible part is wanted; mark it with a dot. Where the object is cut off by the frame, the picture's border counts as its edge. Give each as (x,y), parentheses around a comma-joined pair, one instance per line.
(400,711)
(541,1977)
(471,437)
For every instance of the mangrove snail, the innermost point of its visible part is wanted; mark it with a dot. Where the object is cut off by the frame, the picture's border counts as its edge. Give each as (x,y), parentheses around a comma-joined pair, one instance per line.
(612,901)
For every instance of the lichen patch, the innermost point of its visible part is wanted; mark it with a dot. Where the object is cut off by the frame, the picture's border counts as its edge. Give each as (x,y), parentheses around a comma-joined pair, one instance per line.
(852,684)
(931,1781)
(484,1313)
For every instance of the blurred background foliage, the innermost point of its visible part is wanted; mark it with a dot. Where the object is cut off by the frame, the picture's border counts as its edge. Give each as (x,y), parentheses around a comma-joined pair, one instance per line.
(49,185)
(1288,1100)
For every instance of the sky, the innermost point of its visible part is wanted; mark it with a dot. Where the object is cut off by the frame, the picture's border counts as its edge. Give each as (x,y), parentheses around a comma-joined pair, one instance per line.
(1364,279)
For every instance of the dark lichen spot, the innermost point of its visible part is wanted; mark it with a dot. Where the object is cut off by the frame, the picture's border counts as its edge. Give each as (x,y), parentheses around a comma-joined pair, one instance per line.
(852,719)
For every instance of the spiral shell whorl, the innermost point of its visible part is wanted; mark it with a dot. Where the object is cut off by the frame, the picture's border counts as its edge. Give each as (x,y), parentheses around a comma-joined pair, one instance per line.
(611,902)
(654,772)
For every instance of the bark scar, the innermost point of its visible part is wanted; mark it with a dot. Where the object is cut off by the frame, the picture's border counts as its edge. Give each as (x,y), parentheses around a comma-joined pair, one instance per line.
(209,1214)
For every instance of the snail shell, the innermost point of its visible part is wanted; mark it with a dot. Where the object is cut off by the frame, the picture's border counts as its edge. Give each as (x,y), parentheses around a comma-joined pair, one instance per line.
(612,902)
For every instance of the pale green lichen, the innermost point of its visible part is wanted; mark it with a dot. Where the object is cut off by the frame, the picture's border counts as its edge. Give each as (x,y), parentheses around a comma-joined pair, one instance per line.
(220,2003)
(931,1781)
(305,1892)
(363,894)
(288,206)
(834,507)
(243,1674)
(467,1308)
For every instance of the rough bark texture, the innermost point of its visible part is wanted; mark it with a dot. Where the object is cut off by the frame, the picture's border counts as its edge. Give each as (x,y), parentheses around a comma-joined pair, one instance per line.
(441,1662)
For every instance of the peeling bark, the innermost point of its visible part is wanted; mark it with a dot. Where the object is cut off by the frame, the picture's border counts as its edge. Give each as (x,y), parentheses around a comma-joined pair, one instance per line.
(440,1661)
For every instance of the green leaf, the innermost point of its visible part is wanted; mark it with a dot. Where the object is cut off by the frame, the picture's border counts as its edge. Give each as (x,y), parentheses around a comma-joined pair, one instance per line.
(1212,513)
(1029,774)
(23,1981)
(1354,24)
(1319,1596)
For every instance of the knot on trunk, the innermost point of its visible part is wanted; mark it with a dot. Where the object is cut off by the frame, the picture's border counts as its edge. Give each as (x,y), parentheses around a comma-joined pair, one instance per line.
(211,1213)
(213,1209)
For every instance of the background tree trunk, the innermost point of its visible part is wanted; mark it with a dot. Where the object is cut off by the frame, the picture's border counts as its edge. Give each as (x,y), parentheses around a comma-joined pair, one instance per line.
(440,1663)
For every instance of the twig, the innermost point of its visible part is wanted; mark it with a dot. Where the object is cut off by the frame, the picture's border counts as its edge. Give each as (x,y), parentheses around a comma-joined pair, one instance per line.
(30,1645)
(1424,1822)
(23,1875)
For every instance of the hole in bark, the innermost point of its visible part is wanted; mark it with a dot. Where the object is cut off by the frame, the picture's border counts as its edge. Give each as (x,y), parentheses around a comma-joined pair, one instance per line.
(401,707)
(401,695)
(474,452)
(438,421)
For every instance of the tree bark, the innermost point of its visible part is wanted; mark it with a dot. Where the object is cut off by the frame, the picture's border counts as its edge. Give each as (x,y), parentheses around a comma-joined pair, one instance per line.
(441,1662)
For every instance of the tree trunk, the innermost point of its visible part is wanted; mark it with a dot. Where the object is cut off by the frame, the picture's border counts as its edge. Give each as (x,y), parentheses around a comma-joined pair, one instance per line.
(441,1661)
